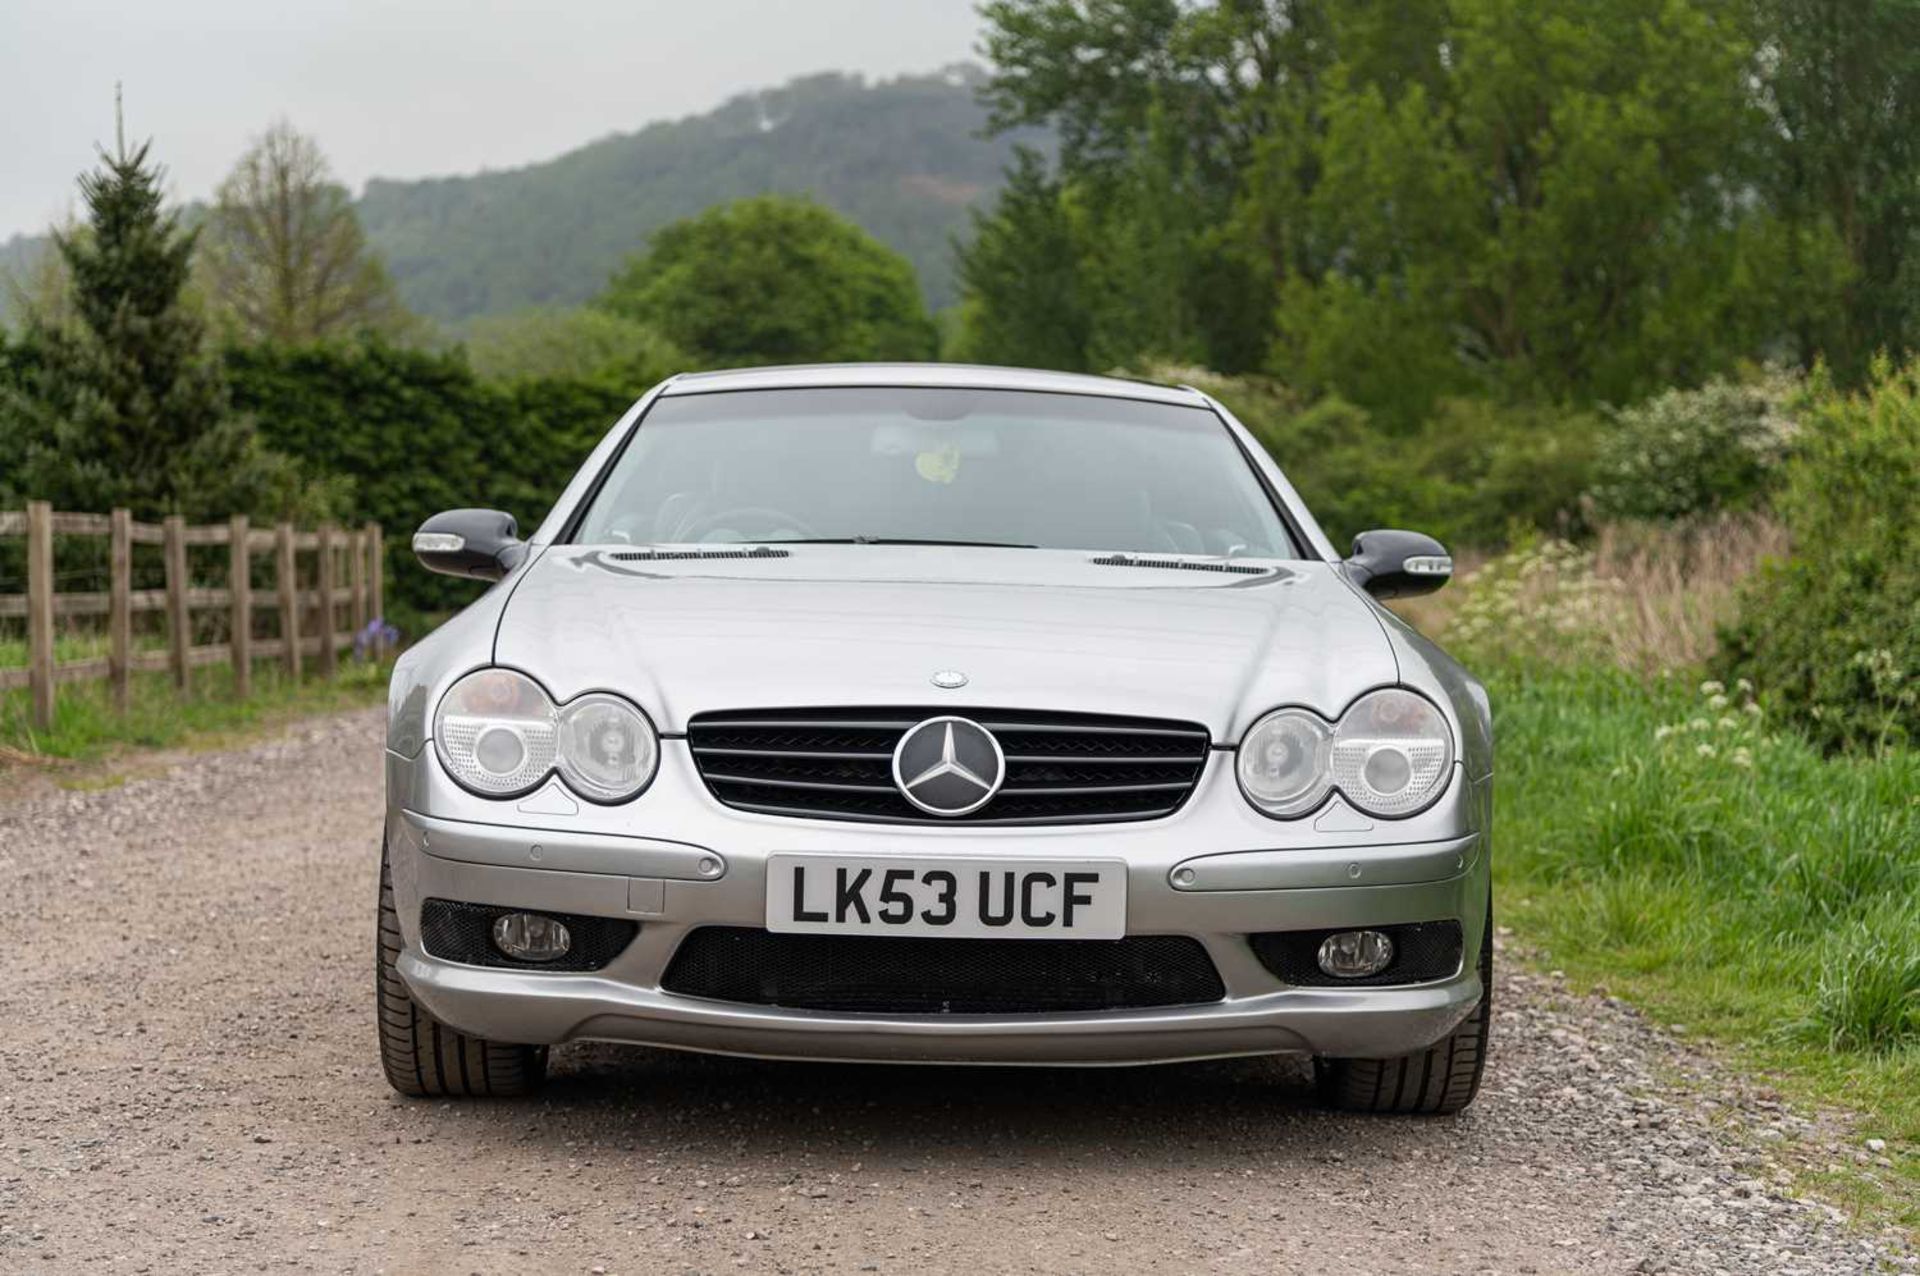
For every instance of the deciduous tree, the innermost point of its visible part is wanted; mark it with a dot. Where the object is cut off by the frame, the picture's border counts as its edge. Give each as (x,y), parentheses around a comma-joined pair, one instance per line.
(775,279)
(283,256)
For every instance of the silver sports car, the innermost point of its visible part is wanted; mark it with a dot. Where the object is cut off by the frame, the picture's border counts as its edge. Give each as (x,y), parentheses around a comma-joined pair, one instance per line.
(935,714)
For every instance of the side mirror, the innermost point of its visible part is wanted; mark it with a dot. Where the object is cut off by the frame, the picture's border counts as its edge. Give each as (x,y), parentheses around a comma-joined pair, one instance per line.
(1389,564)
(475,544)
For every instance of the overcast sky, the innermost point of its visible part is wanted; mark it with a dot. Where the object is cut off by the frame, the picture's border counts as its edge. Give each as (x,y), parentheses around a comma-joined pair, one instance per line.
(407,88)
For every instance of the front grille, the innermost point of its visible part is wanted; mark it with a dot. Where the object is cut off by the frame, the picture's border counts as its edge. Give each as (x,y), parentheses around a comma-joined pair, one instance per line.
(453,931)
(837,764)
(1422,952)
(883,974)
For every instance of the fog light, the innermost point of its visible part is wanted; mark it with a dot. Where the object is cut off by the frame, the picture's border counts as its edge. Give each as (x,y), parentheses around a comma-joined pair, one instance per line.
(531,937)
(1355,954)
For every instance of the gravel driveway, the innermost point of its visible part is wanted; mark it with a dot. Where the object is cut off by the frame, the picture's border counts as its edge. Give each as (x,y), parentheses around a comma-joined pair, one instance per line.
(188,1084)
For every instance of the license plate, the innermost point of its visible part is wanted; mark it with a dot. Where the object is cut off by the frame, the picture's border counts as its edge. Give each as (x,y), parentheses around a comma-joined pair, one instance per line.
(968,898)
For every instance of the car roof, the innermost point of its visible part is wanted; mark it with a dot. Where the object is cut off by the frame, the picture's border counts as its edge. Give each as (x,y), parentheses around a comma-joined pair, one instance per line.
(940,376)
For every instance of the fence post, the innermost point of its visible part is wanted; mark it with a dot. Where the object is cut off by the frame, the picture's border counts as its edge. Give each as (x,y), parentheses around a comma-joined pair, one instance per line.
(120,605)
(329,654)
(40,611)
(289,598)
(357,579)
(179,621)
(377,570)
(240,605)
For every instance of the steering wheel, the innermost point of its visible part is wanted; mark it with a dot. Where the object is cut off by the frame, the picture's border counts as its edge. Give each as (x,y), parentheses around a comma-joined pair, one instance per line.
(778,519)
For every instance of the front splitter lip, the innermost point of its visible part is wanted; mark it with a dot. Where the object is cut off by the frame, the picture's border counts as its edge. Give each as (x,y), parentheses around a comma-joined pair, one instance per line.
(542,1008)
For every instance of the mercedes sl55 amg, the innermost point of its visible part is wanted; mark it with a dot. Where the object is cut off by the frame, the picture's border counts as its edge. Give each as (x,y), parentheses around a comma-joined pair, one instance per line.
(935,714)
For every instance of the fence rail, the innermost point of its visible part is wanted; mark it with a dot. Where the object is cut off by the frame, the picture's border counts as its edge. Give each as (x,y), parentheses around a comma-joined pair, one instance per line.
(309,616)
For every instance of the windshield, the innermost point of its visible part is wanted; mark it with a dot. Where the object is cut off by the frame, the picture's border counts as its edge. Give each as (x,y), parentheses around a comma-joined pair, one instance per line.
(880,465)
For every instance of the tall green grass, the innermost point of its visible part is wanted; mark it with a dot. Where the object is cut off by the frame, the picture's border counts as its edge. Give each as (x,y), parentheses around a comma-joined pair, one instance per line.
(1669,842)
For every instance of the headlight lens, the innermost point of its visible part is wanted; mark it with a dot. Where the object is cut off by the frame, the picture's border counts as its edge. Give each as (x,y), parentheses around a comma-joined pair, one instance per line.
(1283,762)
(496,732)
(1392,751)
(607,748)
(499,734)
(1389,754)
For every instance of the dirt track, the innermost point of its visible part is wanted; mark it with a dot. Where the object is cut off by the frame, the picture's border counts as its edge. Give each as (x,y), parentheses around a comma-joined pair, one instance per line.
(188,1084)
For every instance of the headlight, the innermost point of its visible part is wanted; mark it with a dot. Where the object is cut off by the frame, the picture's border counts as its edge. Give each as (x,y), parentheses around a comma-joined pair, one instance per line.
(1283,762)
(499,734)
(607,748)
(1389,754)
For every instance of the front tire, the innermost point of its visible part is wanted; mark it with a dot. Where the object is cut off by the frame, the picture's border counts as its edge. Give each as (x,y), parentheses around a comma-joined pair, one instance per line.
(1438,1081)
(421,1056)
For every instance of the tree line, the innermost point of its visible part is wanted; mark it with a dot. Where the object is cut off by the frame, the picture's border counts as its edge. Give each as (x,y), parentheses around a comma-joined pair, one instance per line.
(1580,202)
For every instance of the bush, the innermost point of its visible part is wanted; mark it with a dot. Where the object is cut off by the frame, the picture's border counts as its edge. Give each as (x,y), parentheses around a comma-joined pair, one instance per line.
(578,344)
(416,433)
(1832,635)
(1685,453)
(1471,474)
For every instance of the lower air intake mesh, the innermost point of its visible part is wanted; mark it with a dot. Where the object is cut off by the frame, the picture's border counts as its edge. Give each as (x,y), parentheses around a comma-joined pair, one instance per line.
(459,932)
(1422,952)
(882,974)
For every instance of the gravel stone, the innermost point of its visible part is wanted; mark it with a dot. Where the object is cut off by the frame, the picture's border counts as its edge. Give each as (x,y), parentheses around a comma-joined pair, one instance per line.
(188,1082)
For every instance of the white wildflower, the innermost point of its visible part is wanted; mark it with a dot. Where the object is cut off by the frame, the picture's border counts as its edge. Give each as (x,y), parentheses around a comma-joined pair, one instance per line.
(1704,750)
(1713,687)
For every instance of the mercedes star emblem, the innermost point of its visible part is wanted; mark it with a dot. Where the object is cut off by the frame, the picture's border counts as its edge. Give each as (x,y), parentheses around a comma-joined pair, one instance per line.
(950,679)
(948,766)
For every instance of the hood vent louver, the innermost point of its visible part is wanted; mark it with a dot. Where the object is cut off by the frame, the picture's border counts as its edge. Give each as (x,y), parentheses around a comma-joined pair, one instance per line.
(1179,564)
(682,555)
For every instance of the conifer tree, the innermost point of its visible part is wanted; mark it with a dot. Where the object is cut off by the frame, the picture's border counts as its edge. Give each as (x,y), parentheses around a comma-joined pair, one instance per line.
(124,406)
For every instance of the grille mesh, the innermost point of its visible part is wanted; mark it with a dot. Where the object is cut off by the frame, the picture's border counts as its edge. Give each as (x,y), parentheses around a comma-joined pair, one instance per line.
(838,764)
(879,974)
(1422,952)
(685,555)
(1179,564)
(453,931)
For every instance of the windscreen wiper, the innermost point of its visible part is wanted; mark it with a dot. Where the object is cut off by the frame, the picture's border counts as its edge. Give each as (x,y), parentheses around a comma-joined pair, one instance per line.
(893,540)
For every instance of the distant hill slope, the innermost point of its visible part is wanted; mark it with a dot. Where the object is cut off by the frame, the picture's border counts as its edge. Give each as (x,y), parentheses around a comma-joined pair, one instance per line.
(903,158)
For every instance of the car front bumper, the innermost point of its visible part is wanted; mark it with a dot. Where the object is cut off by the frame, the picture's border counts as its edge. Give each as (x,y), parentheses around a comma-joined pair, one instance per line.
(1182,880)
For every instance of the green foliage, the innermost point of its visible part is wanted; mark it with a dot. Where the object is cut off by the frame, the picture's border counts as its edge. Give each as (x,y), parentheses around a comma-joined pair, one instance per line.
(417,433)
(577,344)
(774,280)
(1476,198)
(1832,635)
(1470,475)
(1026,301)
(1843,99)
(1685,453)
(121,406)
(905,159)
(1544,212)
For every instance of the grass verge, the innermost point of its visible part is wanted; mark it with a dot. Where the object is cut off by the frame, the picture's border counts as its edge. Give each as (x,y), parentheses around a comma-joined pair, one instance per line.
(1660,839)
(87,729)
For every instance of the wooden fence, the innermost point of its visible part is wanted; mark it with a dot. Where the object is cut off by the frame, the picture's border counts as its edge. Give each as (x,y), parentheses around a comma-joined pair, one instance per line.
(316,610)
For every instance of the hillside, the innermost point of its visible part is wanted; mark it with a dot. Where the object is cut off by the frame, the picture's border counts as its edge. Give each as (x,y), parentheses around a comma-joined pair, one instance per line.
(903,158)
